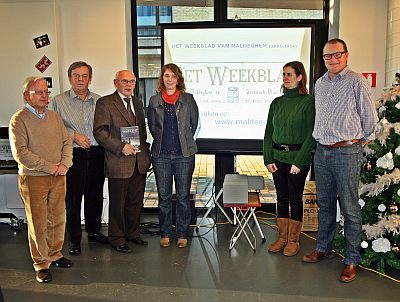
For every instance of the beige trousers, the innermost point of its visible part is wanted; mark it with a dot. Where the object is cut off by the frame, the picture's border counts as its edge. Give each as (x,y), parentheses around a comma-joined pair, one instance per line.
(44,199)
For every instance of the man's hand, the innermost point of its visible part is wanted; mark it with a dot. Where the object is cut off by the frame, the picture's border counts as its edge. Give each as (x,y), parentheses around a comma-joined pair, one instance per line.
(272,167)
(58,169)
(53,169)
(62,170)
(129,150)
(82,140)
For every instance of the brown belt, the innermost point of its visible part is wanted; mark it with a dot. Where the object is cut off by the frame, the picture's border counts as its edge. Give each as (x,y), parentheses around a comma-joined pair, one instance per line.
(343,143)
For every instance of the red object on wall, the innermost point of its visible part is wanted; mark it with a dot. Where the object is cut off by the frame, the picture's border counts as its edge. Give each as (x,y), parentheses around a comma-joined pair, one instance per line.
(371,77)
(43,64)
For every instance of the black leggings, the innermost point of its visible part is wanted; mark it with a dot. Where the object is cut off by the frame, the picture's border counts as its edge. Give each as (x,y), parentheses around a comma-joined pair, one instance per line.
(289,190)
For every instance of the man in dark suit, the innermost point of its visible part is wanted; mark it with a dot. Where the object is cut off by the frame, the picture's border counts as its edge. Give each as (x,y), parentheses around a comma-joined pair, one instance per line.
(125,165)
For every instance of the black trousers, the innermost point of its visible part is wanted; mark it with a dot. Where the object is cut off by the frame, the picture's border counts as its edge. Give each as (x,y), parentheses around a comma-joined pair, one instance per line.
(289,190)
(85,178)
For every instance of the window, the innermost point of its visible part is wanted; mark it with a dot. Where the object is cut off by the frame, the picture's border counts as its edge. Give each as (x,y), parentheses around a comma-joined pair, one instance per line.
(275,9)
(149,18)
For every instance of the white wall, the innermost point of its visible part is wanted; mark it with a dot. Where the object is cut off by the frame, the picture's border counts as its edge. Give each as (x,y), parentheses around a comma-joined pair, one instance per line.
(19,24)
(363,25)
(393,40)
(96,31)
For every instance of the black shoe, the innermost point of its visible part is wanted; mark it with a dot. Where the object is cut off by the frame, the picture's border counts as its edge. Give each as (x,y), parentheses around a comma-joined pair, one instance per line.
(63,262)
(97,237)
(138,241)
(43,276)
(123,248)
(74,248)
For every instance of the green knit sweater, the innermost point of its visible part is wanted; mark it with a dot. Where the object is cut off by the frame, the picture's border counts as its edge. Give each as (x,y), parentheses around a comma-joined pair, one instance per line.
(290,121)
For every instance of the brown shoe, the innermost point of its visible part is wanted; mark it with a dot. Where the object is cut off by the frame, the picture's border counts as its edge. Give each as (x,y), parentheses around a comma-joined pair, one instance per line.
(349,273)
(316,256)
(182,242)
(43,276)
(164,242)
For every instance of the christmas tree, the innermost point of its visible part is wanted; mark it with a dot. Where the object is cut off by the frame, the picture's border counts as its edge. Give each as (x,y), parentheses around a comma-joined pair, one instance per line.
(380,188)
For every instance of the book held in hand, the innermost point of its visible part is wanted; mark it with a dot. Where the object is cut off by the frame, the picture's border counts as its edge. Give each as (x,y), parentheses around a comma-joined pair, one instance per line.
(130,135)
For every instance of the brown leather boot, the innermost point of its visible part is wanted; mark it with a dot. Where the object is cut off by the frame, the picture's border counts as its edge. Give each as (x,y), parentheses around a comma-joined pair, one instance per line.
(280,243)
(293,245)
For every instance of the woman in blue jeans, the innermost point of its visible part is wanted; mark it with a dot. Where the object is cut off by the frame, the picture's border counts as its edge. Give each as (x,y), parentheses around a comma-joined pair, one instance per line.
(173,118)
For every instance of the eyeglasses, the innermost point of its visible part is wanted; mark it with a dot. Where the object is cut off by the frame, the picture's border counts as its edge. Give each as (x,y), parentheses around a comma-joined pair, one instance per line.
(336,55)
(40,92)
(124,81)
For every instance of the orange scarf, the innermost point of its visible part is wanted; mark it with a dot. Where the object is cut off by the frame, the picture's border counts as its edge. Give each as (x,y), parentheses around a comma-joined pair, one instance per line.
(170,99)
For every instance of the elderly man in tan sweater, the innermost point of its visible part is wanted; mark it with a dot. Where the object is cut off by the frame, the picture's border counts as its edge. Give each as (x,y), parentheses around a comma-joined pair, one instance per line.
(43,149)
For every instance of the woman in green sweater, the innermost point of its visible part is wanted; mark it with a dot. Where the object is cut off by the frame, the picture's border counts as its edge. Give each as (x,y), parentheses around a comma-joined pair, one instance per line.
(287,153)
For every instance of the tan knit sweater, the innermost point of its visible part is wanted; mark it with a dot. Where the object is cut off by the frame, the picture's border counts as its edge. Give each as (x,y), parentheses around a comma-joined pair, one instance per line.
(37,143)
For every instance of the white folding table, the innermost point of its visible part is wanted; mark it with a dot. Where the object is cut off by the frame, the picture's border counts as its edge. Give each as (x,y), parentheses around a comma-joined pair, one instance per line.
(243,213)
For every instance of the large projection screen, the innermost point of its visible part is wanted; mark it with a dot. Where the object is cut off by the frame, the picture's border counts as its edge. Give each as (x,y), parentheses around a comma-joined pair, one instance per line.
(235,73)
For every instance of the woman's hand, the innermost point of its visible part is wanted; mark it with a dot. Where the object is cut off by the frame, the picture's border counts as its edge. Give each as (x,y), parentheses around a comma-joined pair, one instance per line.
(294,170)
(272,167)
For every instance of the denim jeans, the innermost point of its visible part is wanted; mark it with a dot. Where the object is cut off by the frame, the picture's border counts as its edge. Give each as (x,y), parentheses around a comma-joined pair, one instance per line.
(337,173)
(179,168)
(289,189)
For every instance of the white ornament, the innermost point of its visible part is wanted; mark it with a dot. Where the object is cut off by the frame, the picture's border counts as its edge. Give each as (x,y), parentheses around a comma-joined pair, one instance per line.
(389,155)
(364,244)
(398,192)
(382,207)
(381,245)
(397,150)
(397,105)
(386,161)
(384,121)
(382,109)
(361,202)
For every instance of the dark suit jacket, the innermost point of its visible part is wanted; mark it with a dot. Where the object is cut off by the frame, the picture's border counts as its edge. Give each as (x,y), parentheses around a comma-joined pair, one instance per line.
(110,115)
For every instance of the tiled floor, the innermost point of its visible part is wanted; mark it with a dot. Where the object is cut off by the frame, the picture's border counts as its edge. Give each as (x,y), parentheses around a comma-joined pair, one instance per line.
(203,179)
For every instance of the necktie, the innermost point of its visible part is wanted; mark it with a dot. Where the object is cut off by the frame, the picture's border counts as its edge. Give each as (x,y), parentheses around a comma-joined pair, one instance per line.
(129,109)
